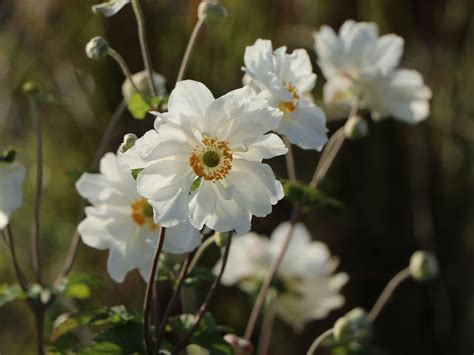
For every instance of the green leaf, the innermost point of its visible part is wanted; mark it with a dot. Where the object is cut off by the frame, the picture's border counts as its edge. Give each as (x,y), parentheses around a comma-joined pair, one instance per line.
(207,335)
(139,106)
(129,336)
(10,293)
(298,192)
(102,348)
(199,275)
(79,291)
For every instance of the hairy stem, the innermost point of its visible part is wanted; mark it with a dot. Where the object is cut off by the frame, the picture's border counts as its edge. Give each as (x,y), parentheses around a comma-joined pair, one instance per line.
(267,329)
(259,302)
(144,44)
(35,229)
(189,49)
(125,69)
(312,349)
(387,293)
(71,255)
(205,305)
(149,291)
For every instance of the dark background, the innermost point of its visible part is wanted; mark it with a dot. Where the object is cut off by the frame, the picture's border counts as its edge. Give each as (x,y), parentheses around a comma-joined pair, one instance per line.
(404,187)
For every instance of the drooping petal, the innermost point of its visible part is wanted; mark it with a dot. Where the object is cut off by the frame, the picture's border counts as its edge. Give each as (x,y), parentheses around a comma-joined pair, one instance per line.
(183,238)
(229,216)
(202,205)
(117,263)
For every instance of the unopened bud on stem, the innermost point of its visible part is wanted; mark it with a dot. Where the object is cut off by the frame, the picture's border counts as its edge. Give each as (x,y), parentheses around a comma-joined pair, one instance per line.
(354,326)
(423,266)
(356,128)
(97,48)
(211,12)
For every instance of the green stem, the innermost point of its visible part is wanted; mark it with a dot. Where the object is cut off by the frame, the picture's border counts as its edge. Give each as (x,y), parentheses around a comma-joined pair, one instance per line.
(144,44)
(35,249)
(318,342)
(189,49)
(123,65)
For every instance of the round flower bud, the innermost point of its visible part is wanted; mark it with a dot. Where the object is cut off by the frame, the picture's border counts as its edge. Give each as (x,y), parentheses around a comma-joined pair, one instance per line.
(356,128)
(97,48)
(423,266)
(240,346)
(211,12)
(128,142)
(30,88)
(354,326)
(140,79)
(221,239)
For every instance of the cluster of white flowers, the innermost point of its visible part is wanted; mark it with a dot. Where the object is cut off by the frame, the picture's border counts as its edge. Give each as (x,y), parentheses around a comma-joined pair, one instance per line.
(12,175)
(361,66)
(307,286)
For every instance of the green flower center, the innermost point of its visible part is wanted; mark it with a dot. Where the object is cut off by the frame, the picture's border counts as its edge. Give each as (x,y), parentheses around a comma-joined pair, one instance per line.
(211,159)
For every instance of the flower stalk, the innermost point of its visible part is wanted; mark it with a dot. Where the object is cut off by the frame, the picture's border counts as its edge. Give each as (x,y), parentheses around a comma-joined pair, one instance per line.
(137,9)
(189,49)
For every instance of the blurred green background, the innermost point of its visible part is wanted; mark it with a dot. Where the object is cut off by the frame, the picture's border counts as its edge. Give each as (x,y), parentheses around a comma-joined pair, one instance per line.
(404,187)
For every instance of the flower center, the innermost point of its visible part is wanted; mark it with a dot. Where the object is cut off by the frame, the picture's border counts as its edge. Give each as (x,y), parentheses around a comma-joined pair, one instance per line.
(142,213)
(212,160)
(289,106)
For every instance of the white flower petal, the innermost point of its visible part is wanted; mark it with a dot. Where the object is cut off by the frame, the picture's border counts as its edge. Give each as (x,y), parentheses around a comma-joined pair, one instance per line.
(266,147)
(190,98)
(117,263)
(183,238)
(202,204)
(306,126)
(11,181)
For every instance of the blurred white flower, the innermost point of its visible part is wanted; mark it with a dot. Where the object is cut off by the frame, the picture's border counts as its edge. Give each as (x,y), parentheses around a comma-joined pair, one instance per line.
(285,81)
(122,221)
(140,79)
(203,161)
(306,285)
(359,64)
(109,8)
(12,175)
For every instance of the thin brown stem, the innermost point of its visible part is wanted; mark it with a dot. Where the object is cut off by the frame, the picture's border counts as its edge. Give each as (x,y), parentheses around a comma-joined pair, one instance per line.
(174,297)
(260,300)
(387,294)
(71,256)
(202,311)
(9,241)
(35,229)
(267,329)
(39,322)
(189,49)
(318,342)
(149,291)
(202,248)
(144,44)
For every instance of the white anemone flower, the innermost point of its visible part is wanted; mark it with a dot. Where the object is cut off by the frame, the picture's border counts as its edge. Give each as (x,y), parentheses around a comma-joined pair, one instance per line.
(203,161)
(122,221)
(360,65)
(285,81)
(12,175)
(306,283)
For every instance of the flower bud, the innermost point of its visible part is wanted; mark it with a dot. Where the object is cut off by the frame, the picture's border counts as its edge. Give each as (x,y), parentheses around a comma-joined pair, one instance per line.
(128,142)
(30,88)
(423,266)
(211,12)
(140,79)
(97,48)
(221,239)
(356,128)
(240,346)
(8,155)
(354,326)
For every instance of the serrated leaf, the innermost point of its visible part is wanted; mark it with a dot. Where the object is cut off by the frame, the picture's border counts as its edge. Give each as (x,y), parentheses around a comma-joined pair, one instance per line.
(298,192)
(10,293)
(199,275)
(140,106)
(207,335)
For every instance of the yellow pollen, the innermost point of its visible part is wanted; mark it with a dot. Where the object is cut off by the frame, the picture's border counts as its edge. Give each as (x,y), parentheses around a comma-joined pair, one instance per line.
(142,213)
(289,106)
(212,160)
